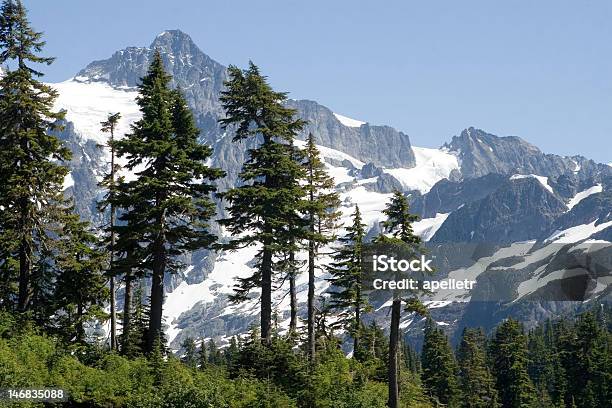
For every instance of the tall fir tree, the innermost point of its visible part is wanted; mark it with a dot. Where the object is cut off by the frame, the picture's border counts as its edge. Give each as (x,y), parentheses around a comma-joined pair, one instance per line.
(81,291)
(585,357)
(541,365)
(509,357)
(399,224)
(322,214)
(475,379)
(347,294)
(29,153)
(263,210)
(169,200)
(109,182)
(439,367)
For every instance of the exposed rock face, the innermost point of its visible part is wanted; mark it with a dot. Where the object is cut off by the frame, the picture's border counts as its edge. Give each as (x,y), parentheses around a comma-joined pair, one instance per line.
(380,145)
(519,210)
(201,79)
(199,76)
(595,208)
(489,210)
(481,153)
(86,167)
(447,196)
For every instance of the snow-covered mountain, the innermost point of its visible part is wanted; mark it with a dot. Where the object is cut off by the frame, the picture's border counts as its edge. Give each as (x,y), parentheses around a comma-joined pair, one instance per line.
(524,224)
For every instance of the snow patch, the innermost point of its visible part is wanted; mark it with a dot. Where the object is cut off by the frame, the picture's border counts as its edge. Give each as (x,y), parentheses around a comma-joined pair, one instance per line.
(88,104)
(68,181)
(577,233)
(427,227)
(432,165)
(542,179)
(584,194)
(346,121)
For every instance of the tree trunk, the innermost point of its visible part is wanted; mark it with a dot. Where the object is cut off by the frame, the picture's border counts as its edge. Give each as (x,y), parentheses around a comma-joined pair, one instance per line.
(357,329)
(266,295)
(292,294)
(157,292)
(80,331)
(393,354)
(127,312)
(25,256)
(311,297)
(113,316)
(113,308)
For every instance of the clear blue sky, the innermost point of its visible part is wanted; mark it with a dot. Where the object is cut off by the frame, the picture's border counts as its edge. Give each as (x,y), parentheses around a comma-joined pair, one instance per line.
(541,70)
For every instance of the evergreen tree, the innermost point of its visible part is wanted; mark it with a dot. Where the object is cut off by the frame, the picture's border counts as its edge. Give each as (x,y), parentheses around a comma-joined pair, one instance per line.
(541,364)
(346,293)
(321,209)
(399,224)
(202,355)
(213,352)
(585,356)
(411,358)
(29,153)
(232,354)
(169,203)
(476,381)
(134,337)
(190,357)
(509,356)
(109,181)
(263,210)
(439,367)
(80,287)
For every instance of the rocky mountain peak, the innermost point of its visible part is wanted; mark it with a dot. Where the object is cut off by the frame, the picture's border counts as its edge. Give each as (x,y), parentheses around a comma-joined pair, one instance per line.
(175,41)
(482,153)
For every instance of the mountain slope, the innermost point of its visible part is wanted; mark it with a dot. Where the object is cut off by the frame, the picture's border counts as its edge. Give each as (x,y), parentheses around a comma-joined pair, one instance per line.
(480,196)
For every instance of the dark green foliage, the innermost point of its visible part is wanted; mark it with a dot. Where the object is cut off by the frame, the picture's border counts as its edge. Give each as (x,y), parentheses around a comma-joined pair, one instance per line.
(214,354)
(264,209)
(374,350)
(475,379)
(399,219)
(190,357)
(134,344)
(439,367)
(80,285)
(411,359)
(509,357)
(321,210)
(32,178)
(585,355)
(168,206)
(347,296)
(399,224)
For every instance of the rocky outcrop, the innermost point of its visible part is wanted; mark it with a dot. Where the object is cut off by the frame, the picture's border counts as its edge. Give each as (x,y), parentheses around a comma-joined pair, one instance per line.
(518,210)
(380,145)
(482,153)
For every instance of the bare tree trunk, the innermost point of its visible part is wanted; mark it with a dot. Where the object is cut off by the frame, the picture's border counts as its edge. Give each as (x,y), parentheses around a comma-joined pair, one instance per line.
(393,354)
(157,293)
(127,312)
(266,296)
(292,294)
(25,266)
(80,331)
(311,296)
(357,330)
(113,314)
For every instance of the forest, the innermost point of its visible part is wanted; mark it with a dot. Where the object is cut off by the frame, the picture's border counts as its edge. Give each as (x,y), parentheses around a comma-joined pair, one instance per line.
(59,273)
